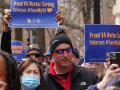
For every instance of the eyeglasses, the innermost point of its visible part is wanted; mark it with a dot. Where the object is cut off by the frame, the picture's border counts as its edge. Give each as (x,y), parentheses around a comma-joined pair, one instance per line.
(96,64)
(61,51)
(36,55)
(3,74)
(48,59)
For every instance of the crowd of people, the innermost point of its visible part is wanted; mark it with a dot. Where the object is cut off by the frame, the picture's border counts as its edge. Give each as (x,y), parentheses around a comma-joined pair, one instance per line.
(58,70)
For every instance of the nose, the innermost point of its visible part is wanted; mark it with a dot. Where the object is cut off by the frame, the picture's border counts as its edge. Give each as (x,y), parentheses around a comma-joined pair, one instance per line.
(33,57)
(65,54)
(93,66)
(31,74)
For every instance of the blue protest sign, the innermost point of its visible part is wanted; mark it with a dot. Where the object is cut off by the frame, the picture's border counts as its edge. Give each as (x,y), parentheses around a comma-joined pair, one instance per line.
(100,40)
(17,50)
(34,13)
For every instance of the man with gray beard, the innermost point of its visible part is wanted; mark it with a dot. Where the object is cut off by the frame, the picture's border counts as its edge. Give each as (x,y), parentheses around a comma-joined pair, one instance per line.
(98,68)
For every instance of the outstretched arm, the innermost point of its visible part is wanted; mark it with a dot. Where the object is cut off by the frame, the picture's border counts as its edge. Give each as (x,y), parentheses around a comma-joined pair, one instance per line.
(110,74)
(6,35)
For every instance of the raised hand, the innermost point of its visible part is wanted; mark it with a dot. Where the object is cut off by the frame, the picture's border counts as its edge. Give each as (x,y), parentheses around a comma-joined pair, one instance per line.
(59,17)
(7,18)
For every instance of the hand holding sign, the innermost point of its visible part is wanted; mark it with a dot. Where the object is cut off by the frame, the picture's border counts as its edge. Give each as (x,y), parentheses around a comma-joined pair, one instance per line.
(59,17)
(34,13)
(7,18)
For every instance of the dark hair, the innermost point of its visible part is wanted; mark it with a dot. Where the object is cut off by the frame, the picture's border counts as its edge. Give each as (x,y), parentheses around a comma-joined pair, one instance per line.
(13,72)
(24,64)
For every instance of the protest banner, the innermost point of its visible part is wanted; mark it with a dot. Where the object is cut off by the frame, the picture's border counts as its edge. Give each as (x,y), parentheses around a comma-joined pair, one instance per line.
(17,50)
(34,13)
(100,40)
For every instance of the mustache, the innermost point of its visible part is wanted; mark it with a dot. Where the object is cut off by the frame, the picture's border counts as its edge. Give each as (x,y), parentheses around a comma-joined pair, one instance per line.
(94,70)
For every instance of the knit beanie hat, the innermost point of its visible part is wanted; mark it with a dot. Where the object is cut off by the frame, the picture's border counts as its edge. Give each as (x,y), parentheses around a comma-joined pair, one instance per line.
(76,52)
(33,47)
(59,38)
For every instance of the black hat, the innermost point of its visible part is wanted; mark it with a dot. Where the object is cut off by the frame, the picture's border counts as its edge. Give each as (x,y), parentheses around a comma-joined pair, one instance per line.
(76,52)
(59,38)
(34,47)
(47,54)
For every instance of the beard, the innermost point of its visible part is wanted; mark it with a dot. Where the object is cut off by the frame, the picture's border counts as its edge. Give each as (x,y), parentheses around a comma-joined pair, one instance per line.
(96,71)
(99,74)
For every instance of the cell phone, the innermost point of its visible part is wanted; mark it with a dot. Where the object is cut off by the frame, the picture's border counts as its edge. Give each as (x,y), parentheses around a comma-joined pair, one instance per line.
(115,58)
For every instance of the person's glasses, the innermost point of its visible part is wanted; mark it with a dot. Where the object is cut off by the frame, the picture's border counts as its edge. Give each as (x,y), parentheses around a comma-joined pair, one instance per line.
(48,59)
(3,74)
(61,51)
(36,55)
(94,64)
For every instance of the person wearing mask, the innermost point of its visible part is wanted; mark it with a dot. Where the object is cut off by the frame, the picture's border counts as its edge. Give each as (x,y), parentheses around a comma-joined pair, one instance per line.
(62,73)
(75,56)
(48,57)
(31,75)
(9,73)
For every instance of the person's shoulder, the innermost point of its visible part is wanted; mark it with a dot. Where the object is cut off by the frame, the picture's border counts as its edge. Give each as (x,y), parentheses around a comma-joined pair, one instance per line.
(84,68)
(46,71)
(113,84)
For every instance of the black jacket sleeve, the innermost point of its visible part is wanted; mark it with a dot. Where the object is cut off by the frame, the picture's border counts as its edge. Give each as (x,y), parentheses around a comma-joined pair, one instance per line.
(6,41)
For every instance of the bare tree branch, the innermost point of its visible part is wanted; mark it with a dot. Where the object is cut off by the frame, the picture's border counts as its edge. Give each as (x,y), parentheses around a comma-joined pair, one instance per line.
(49,33)
(73,26)
(4,5)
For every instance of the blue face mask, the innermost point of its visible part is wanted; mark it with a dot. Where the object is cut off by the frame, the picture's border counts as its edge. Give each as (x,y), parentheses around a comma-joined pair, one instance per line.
(30,82)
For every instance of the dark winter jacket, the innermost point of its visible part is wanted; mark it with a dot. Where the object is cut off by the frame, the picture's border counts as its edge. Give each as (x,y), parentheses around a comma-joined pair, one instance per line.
(6,42)
(81,79)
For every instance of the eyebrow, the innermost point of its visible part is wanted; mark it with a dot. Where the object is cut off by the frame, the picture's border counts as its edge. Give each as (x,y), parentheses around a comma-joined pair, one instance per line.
(34,53)
(33,70)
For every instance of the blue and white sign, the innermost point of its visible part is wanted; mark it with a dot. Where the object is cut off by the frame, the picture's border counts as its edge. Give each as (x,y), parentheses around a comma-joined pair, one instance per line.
(17,50)
(34,13)
(100,40)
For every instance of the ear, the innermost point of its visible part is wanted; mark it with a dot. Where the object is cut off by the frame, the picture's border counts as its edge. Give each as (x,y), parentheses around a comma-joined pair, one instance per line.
(72,59)
(52,56)
(77,61)
(84,64)
(20,78)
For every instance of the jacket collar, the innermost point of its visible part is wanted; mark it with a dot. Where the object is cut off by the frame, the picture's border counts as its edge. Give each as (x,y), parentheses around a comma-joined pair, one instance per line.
(76,69)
